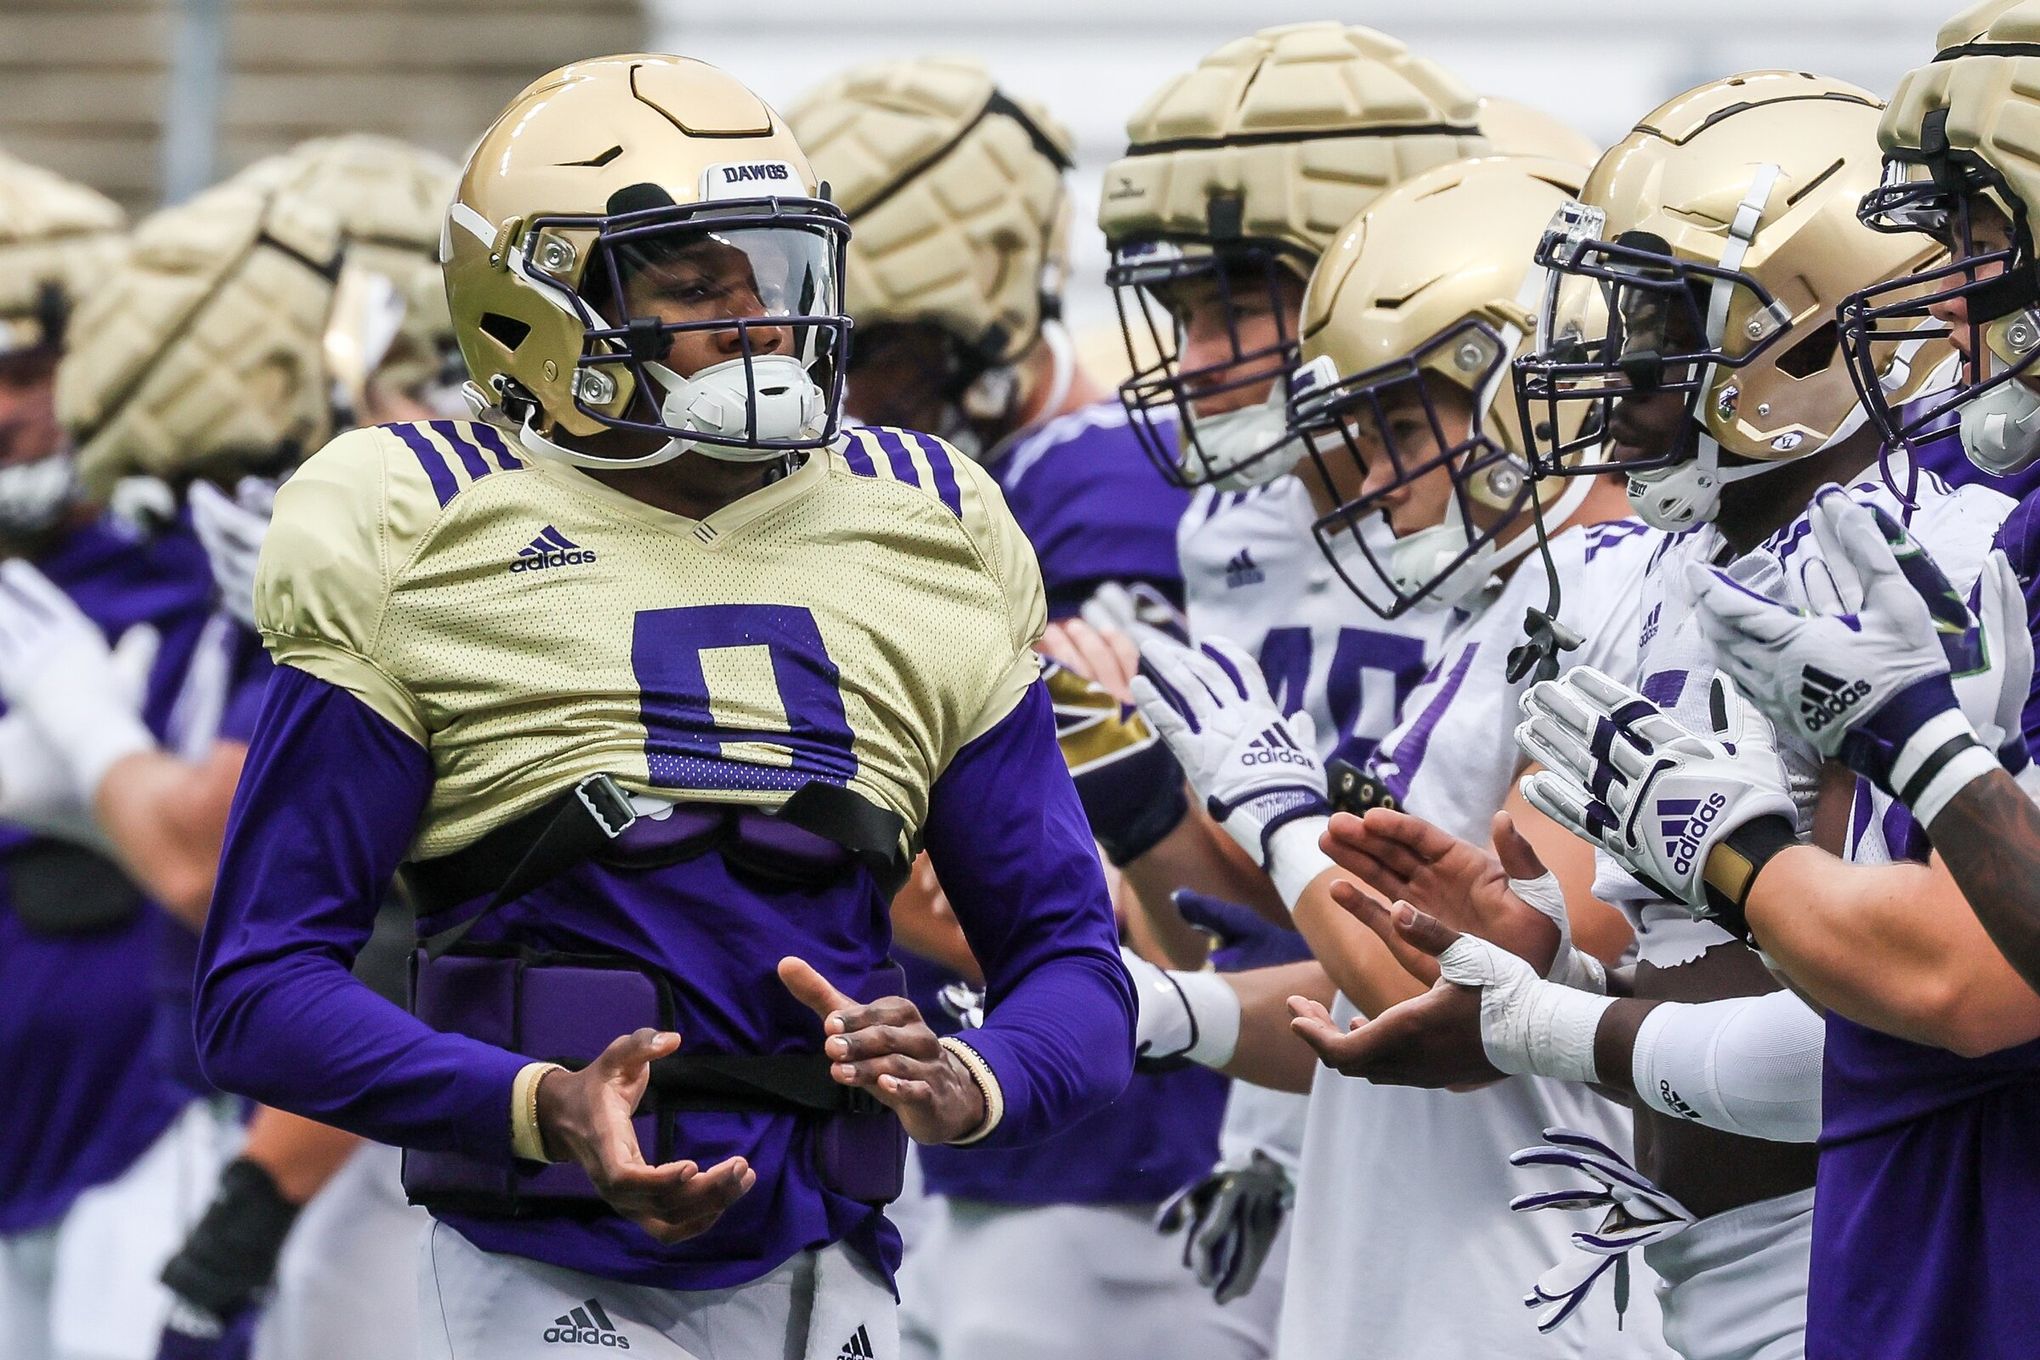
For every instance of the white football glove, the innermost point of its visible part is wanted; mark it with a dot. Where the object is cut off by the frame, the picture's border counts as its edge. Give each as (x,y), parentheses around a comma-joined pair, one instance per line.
(1256,770)
(231,531)
(57,672)
(1638,1215)
(1624,774)
(1901,682)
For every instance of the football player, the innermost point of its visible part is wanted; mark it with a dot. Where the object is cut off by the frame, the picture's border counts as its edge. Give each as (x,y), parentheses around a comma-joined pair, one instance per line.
(1238,173)
(108,1158)
(1725,399)
(649,680)
(958,206)
(214,371)
(1409,325)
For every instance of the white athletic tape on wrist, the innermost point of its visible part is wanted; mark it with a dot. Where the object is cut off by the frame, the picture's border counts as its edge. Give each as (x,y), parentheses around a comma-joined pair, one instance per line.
(1294,860)
(1580,971)
(1569,967)
(1527,1025)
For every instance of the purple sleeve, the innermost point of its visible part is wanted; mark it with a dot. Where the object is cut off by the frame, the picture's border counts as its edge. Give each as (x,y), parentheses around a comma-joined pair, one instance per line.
(326,809)
(1009,841)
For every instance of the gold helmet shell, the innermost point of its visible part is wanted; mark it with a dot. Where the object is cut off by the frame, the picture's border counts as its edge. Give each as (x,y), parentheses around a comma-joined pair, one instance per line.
(1431,277)
(57,238)
(201,356)
(1281,137)
(1513,128)
(589,142)
(956,193)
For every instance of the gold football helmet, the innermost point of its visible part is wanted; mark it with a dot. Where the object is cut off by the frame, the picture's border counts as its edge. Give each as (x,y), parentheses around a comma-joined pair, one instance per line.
(1516,129)
(959,205)
(243,330)
(639,263)
(1430,289)
(1705,259)
(1237,175)
(1960,167)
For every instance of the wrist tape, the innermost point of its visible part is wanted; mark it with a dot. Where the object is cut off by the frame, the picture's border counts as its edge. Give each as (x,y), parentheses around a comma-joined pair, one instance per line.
(1733,865)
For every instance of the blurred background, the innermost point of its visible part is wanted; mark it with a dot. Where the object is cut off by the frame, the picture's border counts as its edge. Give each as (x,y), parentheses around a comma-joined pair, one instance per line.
(152,100)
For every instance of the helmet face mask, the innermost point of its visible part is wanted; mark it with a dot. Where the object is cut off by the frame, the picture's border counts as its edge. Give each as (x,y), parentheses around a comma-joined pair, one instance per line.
(1390,430)
(1629,320)
(1991,281)
(1205,327)
(748,295)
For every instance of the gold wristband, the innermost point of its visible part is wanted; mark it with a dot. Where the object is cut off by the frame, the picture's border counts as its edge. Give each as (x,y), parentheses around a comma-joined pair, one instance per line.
(988,1087)
(527,1141)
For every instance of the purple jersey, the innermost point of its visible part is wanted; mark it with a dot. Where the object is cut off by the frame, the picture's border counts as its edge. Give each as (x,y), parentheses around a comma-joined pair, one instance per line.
(1928,1181)
(78,1037)
(326,811)
(1093,505)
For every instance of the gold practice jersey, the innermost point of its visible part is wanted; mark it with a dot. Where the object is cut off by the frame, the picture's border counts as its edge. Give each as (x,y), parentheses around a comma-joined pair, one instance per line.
(856,622)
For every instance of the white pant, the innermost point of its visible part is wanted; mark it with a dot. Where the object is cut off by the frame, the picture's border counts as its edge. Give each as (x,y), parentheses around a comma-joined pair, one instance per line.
(1067,1282)
(1733,1286)
(85,1288)
(478,1305)
(347,1282)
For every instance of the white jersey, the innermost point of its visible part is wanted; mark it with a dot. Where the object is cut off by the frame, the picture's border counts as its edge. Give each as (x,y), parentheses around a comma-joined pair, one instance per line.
(1395,1174)
(1954,525)
(1253,574)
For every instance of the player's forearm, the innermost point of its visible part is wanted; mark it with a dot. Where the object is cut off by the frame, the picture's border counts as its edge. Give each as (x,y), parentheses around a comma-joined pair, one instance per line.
(1894,947)
(1013,850)
(1748,1065)
(1268,1052)
(166,819)
(1990,832)
(299,1154)
(1353,956)
(1197,855)
(327,806)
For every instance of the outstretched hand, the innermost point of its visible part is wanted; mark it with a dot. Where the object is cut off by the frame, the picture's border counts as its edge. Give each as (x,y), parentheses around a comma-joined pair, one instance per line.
(1433,1040)
(585,1117)
(885,1047)
(1458,885)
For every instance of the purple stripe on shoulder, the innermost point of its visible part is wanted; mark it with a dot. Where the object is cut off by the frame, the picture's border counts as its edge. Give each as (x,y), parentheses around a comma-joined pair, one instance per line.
(856,457)
(470,456)
(1401,765)
(488,438)
(897,454)
(946,489)
(434,462)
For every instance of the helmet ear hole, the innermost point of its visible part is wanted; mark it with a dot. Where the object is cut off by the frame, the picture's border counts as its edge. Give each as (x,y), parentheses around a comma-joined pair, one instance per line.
(1813,354)
(506,331)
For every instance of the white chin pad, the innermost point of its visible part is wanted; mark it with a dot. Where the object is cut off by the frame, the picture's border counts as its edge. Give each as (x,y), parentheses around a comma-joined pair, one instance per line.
(1225,441)
(719,401)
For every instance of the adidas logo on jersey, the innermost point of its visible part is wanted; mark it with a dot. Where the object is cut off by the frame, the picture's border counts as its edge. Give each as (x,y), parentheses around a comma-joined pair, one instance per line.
(587,1325)
(1650,622)
(858,1347)
(1241,571)
(551,549)
(1682,822)
(1824,697)
(1273,747)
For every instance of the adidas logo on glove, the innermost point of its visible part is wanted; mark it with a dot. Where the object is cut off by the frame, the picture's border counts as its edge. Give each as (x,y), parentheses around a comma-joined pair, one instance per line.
(587,1325)
(1683,822)
(1824,697)
(1273,747)
(551,549)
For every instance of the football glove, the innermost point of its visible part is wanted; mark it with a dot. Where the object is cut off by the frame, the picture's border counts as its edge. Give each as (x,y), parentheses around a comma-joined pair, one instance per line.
(1245,939)
(219,1277)
(1229,1221)
(1638,1215)
(231,531)
(1693,817)
(1256,770)
(1906,683)
(56,670)
(1129,783)
(1139,611)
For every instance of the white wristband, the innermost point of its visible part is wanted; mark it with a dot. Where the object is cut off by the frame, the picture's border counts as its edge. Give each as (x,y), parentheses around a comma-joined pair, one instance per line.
(1183,1014)
(1964,768)
(1216,1008)
(1294,860)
